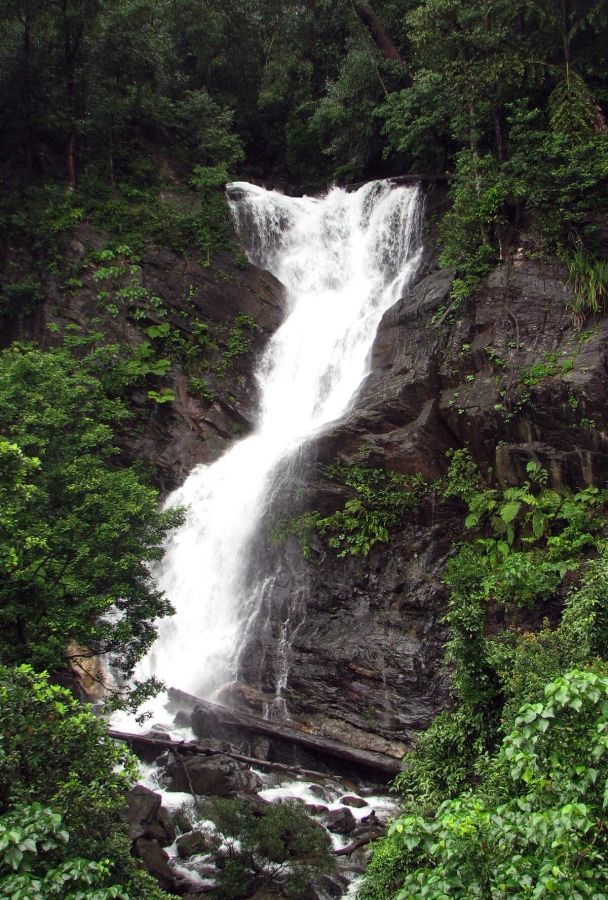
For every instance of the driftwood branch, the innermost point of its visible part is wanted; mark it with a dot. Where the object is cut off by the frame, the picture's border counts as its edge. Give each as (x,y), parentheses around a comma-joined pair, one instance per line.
(360,842)
(189,748)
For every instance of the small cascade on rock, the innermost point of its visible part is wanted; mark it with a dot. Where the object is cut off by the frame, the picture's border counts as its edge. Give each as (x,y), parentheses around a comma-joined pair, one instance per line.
(344,260)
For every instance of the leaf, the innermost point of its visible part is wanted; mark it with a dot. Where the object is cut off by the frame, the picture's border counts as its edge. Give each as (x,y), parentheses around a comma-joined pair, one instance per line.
(509,511)
(539,522)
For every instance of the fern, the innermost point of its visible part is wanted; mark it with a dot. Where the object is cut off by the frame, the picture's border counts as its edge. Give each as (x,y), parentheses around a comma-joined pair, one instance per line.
(571,108)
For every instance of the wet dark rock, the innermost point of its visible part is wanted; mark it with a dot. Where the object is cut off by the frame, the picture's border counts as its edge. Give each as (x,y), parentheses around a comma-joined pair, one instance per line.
(366,646)
(191,843)
(156,861)
(147,817)
(218,776)
(332,885)
(340,821)
(181,821)
(317,790)
(351,800)
(372,819)
(316,809)
(182,719)
(174,437)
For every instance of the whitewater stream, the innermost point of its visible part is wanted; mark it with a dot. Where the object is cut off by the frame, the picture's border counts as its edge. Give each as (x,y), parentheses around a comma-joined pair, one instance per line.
(344,259)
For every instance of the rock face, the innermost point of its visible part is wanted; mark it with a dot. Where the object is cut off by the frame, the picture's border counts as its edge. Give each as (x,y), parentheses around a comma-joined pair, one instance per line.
(220,315)
(508,375)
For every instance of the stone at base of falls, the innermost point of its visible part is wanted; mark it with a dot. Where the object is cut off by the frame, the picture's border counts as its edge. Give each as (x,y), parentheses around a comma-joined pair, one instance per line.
(147,817)
(219,776)
(192,843)
(340,821)
(287,744)
(156,861)
(351,800)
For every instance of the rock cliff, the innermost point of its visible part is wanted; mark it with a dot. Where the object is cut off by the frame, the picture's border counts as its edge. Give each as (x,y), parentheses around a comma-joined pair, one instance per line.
(507,374)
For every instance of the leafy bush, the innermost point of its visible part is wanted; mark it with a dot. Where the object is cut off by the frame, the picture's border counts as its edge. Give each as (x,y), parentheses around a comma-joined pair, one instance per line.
(62,783)
(32,842)
(533,829)
(278,846)
(77,532)
(380,502)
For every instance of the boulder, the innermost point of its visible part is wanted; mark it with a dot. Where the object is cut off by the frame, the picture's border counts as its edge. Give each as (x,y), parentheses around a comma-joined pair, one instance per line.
(340,821)
(352,800)
(218,776)
(191,843)
(181,821)
(147,817)
(156,861)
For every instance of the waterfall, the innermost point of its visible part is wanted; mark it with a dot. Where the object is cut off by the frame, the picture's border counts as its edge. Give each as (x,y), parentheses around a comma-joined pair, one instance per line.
(344,260)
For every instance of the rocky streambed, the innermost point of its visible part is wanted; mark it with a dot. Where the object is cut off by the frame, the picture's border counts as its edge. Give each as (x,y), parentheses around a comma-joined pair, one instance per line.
(173,818)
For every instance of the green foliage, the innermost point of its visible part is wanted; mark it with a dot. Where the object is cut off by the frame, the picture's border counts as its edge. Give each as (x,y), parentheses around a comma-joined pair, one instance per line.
(237,343)
(201,389)
(278,846)
(62,783)
(531,537)
(166,395)
(21,296)
(470,230)
(77,531)
(532,826)
(504,795)
(560,179)
(588,278)
(379,504)
(548,367)
(30,836)
(541,832)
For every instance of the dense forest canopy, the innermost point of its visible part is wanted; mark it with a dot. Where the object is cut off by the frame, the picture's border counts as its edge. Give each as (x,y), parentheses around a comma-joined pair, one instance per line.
(108,106)
(506,96)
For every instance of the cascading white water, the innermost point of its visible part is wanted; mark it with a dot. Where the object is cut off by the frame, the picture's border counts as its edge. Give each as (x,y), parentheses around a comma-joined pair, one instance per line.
(344,259)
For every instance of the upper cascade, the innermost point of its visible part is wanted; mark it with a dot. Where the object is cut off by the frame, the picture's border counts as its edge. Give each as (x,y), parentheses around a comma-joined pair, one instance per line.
(344,260)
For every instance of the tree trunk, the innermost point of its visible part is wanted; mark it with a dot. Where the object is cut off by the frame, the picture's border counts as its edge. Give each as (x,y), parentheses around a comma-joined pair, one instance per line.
(71,166)
(376,29)
(71,45)
(216,721)
(379,35)
(27,92)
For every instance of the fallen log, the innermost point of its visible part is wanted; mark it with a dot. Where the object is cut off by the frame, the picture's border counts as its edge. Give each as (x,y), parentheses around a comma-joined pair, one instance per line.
(361,842)
(238,721)
(195,747)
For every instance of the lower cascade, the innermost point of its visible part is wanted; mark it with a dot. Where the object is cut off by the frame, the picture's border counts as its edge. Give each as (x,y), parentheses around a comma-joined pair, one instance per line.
(344,259)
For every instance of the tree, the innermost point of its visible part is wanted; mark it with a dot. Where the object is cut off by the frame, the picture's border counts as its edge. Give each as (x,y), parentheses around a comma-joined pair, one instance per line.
(536,827)
(78,531)
(62,784)
(276,847)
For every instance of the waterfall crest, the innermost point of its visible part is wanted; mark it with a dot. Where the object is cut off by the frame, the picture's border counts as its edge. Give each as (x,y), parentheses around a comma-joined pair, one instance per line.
(344,260)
